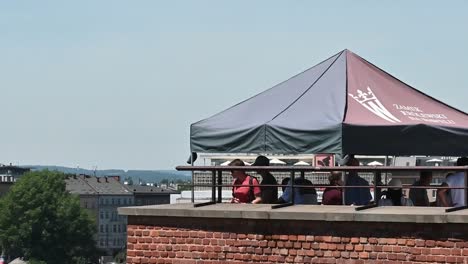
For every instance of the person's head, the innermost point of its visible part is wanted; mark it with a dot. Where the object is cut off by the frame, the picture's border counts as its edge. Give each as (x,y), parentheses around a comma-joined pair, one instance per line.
(335,178)
(425,177)
(237,173)
(394,191)
(352,162)
(463,161)
(261,161)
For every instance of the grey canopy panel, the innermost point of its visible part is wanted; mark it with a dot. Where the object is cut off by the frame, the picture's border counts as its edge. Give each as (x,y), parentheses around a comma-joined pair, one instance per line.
(290,110)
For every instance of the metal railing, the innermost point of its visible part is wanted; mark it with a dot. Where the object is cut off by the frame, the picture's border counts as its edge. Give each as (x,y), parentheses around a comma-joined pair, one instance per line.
(217,180)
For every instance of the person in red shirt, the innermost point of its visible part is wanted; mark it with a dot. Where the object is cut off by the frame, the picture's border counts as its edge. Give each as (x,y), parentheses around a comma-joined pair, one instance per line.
(244,194)
(333,195)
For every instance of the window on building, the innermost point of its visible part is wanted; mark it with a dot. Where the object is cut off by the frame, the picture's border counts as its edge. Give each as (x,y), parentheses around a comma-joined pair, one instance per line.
(85,204)
(120,230)
(107,228)
(107,215)
(114,228)
(107,200)
(101,228)
(118,201)
(101,242)
(112,201)
(101,214)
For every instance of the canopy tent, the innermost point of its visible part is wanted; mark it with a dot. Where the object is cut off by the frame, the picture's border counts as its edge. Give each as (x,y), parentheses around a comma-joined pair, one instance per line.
(375,163)
(301,163)
(342,105)
(277,162)
(433,160)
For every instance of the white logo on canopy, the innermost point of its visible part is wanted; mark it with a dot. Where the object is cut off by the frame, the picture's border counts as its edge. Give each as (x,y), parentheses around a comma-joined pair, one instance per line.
(372,103)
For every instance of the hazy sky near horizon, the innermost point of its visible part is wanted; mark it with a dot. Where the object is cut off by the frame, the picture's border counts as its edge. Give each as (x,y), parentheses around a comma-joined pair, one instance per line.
(116,84)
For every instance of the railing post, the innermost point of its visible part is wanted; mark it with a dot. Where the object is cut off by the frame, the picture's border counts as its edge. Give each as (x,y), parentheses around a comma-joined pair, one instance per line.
(213,186)
(291,183)
(377,180)
(193,187)
(466,187)
(220,188)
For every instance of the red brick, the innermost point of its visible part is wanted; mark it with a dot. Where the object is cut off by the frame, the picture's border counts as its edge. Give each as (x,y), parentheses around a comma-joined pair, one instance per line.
(359,248)
(401,241)
(345,254)
(363,255)
(355,240)
(420,243)
(430,243)
(284,237)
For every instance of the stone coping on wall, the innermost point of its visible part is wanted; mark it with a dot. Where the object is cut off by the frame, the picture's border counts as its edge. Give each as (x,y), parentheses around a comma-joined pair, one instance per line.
(302,212)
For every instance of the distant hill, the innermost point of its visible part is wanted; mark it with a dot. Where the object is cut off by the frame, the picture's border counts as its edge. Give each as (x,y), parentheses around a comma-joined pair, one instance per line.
(136,175)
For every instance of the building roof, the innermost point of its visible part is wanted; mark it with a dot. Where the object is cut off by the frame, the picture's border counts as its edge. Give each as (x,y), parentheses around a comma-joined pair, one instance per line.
(14,168)
(76,185)
(150,189)
(85,184)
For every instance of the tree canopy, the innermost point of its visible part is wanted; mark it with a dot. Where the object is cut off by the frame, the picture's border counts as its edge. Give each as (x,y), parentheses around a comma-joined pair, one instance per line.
(40,220)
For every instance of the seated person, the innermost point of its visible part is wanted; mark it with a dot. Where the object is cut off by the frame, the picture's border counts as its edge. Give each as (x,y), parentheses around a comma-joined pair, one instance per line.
(269,193)
(394,195)
(356,196)
(456,180)
(244,194)
(301,195)
(444,199)
(419,195)
(333,195)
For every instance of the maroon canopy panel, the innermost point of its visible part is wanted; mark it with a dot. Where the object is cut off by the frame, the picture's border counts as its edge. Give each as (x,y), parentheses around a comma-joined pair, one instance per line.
(387,116)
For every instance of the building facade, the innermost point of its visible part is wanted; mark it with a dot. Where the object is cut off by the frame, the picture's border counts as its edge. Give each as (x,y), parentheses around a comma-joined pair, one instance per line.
(102,196)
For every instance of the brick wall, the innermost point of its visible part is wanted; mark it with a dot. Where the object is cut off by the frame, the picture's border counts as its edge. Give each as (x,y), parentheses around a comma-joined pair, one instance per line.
(202,240)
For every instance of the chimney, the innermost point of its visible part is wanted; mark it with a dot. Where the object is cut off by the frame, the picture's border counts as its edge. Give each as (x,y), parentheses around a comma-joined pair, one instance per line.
(115,177)
(106,179)
(98,180)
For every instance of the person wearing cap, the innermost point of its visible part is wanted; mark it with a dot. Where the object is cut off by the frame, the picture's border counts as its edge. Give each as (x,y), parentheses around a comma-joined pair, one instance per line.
(333,195)
(455,180)
(250,191)
(269,194)
(394,195)
(419,195)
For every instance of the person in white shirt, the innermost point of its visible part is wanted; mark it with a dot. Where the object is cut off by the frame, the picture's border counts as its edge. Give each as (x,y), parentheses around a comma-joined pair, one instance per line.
(455,180)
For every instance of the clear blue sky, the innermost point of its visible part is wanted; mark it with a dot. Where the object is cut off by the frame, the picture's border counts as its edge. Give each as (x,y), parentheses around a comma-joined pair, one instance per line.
(116,84)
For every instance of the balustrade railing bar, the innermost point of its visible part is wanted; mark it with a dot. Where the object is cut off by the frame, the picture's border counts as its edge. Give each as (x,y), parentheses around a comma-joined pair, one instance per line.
(216,182)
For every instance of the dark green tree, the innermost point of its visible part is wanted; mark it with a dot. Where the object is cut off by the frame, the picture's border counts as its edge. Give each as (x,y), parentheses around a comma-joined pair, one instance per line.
(41,221)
